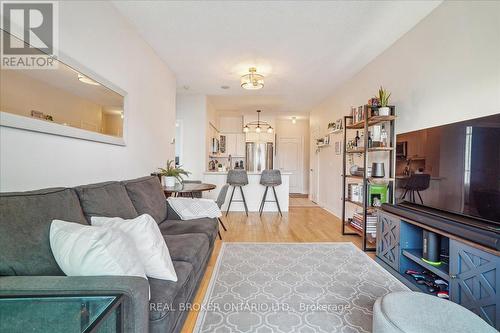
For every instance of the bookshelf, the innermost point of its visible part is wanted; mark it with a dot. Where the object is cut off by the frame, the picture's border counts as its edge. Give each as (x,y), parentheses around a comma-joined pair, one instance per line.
(364,223)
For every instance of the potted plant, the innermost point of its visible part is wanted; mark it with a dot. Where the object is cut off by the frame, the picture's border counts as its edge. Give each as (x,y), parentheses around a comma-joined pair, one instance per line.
(171,173)
(219,167)
(383,97)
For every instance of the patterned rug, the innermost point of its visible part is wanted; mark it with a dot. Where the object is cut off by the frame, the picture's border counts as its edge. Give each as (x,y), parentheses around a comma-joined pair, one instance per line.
(293,287)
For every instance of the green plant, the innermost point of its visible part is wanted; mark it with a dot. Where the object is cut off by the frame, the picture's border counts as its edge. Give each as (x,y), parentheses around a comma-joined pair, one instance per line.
(172,171)
(383,96)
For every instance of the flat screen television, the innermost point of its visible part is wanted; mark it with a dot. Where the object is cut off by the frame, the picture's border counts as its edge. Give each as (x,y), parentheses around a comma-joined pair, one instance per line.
(463,162)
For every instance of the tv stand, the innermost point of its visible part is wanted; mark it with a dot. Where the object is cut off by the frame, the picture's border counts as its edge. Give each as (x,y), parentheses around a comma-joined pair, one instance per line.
(472,270)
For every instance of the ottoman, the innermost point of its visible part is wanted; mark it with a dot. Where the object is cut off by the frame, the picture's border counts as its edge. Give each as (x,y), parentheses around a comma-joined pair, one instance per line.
(414,312)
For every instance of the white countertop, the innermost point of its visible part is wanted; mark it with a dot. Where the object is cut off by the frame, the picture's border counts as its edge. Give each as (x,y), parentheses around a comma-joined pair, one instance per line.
(249,173)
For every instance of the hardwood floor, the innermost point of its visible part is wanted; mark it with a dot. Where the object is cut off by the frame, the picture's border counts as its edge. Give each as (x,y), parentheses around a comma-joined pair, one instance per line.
(301,202)
(300,224)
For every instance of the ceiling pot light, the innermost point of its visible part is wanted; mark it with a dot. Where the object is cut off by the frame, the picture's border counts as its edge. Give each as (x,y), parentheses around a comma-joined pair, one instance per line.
(252,80)
(225,87)
(84,79)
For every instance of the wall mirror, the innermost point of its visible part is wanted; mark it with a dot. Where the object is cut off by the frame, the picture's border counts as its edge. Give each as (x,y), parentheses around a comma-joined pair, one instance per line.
(68,101)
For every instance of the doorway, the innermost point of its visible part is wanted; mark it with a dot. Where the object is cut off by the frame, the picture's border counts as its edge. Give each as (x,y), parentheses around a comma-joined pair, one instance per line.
(291,160)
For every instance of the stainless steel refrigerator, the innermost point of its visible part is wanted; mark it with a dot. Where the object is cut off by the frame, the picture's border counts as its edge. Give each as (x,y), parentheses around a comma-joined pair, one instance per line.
(259,156)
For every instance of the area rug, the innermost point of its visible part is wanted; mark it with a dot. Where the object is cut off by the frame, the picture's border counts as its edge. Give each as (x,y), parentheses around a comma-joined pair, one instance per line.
(293,287)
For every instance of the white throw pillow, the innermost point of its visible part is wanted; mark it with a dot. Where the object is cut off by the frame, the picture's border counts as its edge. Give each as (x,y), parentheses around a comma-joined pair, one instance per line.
(83,250)
(151,247)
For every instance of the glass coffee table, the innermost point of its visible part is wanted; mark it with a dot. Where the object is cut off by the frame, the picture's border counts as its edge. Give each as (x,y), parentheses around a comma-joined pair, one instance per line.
(61,313)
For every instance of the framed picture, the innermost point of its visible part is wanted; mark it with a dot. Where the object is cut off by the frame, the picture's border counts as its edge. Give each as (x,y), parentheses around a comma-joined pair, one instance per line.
(336,127)
(360,114)
(338,147)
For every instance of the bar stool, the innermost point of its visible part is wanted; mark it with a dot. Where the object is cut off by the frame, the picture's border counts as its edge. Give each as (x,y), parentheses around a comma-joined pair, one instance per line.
(221,198)
(270,178)
(417,183)
(237,178)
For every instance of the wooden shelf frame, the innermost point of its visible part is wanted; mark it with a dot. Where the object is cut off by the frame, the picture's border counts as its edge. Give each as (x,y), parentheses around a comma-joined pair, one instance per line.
(390,180)
(370,239)
(373,120)
(370,150)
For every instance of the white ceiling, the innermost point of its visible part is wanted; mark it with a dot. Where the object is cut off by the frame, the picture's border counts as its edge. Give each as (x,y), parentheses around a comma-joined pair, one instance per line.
(305,49)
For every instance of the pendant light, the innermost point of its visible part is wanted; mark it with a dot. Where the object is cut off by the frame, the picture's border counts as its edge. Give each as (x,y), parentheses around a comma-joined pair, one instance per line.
(259,125)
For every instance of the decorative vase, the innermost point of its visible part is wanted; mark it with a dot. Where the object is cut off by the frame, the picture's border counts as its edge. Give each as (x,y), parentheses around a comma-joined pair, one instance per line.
(384,111)
(169,181)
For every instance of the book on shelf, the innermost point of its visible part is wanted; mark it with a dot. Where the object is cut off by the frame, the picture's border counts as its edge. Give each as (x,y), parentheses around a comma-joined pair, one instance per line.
(358,223)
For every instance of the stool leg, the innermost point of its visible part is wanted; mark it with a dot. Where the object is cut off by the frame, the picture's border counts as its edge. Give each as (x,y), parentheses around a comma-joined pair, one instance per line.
(261,209)
(220,236)
(244,201)
(277,202)
(222,224)
(422,201)
(404,195)
(230,200)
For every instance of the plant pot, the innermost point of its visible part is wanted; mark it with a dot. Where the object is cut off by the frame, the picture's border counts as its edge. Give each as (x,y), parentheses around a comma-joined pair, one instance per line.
(169,181)
(384,111)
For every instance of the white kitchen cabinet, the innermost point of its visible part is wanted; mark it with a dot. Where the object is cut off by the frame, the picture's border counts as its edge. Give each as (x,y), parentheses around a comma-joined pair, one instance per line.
(235,144)
(240,144)
(267,137)
(259,137)
(252,137)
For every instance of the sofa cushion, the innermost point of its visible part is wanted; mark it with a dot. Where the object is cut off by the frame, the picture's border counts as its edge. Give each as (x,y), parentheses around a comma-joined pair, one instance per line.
(106,199)
(164,293)
(193,248)
(206,226)
(147,197)
(25,219)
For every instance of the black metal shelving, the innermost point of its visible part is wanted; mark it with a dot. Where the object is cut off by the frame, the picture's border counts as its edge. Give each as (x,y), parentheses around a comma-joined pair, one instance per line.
(368,121)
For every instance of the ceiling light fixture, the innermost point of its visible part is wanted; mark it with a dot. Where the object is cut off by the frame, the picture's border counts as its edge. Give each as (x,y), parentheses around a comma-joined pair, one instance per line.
(258,125)
(252,80)
(294,120)
(84,79)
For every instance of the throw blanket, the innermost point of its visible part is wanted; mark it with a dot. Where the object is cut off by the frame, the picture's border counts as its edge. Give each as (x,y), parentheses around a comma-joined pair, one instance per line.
(189,209)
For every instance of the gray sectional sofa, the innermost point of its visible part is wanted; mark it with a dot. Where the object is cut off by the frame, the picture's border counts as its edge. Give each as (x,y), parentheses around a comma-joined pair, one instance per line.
(27,266)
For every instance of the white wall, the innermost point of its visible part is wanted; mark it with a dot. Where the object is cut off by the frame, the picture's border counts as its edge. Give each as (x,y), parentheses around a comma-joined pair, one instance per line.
(445,70)
(97,36)
(192,111)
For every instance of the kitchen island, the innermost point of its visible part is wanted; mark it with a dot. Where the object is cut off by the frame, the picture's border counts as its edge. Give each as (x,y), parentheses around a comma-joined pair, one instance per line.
(253,192)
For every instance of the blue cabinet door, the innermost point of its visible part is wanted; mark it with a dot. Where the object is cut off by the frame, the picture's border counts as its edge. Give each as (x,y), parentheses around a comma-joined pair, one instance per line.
(388,248)
(474,281)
